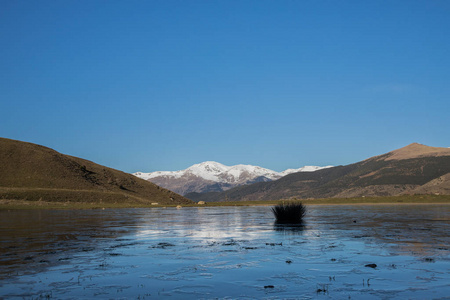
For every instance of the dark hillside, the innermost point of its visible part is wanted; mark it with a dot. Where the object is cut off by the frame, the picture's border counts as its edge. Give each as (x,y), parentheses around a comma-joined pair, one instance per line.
(33,172)
(295,183)
(398,172)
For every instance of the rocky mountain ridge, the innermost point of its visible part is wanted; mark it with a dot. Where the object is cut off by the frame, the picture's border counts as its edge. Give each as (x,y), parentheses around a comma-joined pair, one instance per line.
(213,176)
(414,169)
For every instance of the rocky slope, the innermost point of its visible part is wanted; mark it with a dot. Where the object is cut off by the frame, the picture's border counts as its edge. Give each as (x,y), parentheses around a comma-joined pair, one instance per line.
(33,172)
(414,169)
(211,176)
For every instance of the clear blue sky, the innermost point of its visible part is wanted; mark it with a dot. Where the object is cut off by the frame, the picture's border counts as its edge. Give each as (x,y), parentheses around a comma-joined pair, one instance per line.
(161,85)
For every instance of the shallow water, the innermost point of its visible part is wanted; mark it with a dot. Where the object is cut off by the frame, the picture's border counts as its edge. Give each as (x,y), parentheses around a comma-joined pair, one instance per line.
(226,252)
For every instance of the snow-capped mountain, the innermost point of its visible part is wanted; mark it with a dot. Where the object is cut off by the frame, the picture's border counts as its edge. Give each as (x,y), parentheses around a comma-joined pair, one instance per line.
(212,176)
(302,169)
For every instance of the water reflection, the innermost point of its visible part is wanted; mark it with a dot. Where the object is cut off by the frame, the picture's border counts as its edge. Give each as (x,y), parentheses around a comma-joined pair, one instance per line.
(32,240)
(232,252)
(294,229)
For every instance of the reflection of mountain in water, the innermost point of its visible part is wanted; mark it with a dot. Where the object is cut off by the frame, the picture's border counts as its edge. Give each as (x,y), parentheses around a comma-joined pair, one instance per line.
(34,239)
(418,230)
(209,223)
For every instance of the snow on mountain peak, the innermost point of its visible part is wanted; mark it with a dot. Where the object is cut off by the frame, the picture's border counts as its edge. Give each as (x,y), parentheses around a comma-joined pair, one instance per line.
(303,169)
(209,170)
(214,171)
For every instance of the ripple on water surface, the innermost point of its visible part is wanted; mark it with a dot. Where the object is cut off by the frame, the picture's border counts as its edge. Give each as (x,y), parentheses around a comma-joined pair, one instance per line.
(368,252)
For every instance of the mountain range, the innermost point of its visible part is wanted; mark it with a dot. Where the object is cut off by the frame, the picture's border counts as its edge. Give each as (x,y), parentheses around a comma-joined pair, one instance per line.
(212,176)
(33,172)
(414,169)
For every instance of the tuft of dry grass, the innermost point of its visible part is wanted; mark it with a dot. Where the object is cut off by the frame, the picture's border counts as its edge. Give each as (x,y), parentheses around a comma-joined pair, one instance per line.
(289,213)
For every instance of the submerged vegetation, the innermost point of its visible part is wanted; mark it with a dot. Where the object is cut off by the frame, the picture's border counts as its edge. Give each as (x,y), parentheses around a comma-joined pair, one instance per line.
(289,213)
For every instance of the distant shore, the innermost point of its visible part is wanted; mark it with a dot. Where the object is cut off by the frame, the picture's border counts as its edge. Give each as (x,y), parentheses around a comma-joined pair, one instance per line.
(6,204)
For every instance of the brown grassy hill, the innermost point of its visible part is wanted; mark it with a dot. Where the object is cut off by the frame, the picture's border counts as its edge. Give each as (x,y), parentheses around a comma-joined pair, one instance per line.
(414,169)
(33,172)
(416,150)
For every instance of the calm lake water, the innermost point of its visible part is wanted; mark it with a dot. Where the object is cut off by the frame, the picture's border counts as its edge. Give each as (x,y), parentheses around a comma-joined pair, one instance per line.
(227,252)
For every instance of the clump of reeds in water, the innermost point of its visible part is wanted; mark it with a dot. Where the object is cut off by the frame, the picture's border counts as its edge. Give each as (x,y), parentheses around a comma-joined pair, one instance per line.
(289,213)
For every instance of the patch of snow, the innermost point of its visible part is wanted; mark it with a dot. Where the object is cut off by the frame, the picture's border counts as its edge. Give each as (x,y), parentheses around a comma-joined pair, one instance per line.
(208,170)
(217,172)
(303,169)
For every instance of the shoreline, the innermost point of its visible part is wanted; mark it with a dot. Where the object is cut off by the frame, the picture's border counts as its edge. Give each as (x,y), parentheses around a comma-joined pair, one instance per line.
(10,204)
